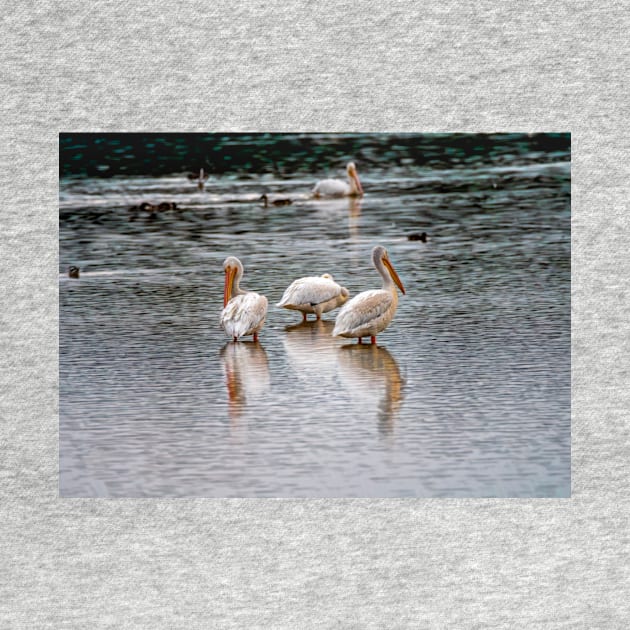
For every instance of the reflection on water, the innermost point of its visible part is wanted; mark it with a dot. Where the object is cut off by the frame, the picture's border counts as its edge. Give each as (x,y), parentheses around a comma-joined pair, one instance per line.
(310,350)
(246,371)
(354,218)
(367,374)
(467,393)
(371,370)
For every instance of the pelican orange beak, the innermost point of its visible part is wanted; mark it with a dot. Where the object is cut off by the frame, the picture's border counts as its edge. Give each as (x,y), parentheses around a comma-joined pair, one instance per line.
(357,181)
(227,288)
(393,274)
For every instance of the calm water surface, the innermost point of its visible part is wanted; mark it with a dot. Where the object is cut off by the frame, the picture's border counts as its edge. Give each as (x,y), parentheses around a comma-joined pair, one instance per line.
(466,395)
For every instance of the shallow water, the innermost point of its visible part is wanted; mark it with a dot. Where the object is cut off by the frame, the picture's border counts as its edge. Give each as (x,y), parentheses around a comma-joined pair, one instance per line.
(466,395)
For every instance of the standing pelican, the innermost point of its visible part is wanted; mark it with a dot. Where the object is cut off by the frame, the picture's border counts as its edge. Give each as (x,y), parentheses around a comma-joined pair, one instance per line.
(370,312)
(314,294)
(200,178)
(339,188)
(243,311)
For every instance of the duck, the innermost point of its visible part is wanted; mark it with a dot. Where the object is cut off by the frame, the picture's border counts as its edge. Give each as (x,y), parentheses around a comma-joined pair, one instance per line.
(280,201)
(418,237)
(167,205)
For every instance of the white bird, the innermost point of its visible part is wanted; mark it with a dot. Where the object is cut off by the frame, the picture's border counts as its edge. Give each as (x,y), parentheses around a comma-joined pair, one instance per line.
(200,178)
(339,188)
(243,312)
(314,294)
(370,312)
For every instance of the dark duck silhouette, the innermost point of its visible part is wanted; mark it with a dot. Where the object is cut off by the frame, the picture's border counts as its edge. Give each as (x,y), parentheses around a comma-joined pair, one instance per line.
(280,201)
(167,205)
(418,237)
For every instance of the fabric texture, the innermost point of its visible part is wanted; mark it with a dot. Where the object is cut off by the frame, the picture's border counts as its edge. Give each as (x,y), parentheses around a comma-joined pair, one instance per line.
(300,66)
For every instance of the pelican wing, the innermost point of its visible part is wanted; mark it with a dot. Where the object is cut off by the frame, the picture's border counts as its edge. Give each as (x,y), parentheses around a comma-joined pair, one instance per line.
(362,309)
(244,314)
(331,188)
(312,291)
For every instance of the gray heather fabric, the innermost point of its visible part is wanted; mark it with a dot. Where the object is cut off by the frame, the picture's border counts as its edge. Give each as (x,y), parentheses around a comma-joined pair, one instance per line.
(203,66)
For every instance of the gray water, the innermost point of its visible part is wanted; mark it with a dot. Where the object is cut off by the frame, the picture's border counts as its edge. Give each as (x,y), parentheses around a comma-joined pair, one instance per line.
(467,393)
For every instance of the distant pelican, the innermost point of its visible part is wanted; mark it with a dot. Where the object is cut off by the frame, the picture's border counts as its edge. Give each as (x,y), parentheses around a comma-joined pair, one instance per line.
(314,294)
(73,272)
(370,312)
(281,201)
(243,312)
(200,178)
(339,188)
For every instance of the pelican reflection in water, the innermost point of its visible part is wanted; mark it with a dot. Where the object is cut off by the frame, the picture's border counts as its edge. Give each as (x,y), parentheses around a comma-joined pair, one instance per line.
(371,375)
(310,353)
(354,218)
(246,371)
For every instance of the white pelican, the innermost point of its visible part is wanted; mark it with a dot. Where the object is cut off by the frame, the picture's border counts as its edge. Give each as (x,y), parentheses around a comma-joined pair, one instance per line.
(339,188)
(370,312)
(243,311)
(281,201)
(200,178)
(314,294)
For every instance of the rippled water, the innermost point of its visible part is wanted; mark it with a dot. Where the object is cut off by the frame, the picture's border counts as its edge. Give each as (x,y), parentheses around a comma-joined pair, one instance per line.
(467,393)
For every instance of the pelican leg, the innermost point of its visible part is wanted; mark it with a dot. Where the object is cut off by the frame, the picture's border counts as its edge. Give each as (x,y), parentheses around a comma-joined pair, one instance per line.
(235,338)
(360,340)
(373,338)
(304,317)
(255,336)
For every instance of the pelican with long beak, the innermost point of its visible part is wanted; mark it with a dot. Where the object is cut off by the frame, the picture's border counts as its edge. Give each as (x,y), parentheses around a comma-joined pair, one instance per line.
(339,188)
(243,312)
(314,294)
(370,312)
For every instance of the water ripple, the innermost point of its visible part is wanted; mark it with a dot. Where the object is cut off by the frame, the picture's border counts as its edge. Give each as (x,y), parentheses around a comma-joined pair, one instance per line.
(467,393)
